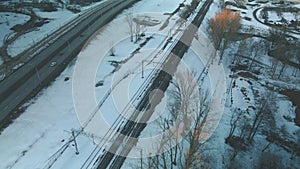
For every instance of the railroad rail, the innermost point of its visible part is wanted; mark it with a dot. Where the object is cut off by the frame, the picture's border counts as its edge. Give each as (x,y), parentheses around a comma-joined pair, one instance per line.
(146,105)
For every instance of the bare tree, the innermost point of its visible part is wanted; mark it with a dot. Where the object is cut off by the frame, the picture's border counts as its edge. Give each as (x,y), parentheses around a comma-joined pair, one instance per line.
(297,146)
(274,66)
(137,29)
(238,122)
(297,58)
(256,49)
(129,19)
(235,117)
(187,153)
(270,160)
(112,50)
(285,58)
(281,49)
(241,49)
(222,4)
(244,126)
(282,70)
(277,38)
(266,106)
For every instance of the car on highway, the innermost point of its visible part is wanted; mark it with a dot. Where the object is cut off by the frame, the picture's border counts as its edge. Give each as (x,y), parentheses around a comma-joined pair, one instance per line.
(2,76)
(52,64)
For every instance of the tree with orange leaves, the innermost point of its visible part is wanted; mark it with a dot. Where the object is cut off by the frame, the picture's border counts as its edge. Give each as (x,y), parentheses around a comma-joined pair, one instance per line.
(222,28)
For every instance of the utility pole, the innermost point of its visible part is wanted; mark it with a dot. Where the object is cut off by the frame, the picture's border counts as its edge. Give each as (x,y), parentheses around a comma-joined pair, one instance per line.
(38,75)
(74,139)
(149,160)
(141,158)
(142,69)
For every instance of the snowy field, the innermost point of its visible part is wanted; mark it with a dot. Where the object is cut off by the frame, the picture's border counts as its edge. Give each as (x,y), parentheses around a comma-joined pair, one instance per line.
(48,121)
(242,94)
(56,20)
(45,125)
(7,21)
(273,17)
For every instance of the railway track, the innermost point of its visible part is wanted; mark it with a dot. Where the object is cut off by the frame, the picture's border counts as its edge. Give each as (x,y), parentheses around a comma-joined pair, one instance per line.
(162,77)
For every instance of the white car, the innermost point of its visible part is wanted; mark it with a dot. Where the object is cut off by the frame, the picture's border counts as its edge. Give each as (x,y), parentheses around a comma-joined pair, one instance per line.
(2,76)
(52,64)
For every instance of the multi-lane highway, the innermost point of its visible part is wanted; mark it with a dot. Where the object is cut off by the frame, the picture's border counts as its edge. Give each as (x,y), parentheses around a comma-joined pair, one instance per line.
(50,57)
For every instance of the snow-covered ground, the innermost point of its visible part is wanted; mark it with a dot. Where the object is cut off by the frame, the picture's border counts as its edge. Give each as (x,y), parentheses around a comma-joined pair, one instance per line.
(273,17)
(9,20)
(46,124)
(242,94)
(57,19)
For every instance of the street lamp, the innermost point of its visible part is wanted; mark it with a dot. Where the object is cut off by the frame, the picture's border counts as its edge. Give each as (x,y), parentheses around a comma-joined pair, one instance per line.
(36,72)
(142,69)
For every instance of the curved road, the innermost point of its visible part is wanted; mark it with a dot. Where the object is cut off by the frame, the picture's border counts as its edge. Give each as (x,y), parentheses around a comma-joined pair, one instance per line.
(271,25)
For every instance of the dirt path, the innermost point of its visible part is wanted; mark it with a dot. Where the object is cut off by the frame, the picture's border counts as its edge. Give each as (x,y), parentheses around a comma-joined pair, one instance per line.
(272,25)
(23,29)
(294,98)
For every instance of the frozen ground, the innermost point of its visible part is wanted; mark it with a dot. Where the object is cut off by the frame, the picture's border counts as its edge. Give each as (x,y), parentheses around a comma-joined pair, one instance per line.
(56,20)
(7,21)
(45,125)
(243,94)
(273,17)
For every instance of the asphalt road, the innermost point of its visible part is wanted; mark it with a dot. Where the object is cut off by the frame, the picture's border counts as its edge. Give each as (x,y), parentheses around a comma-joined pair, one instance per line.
(33,76)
